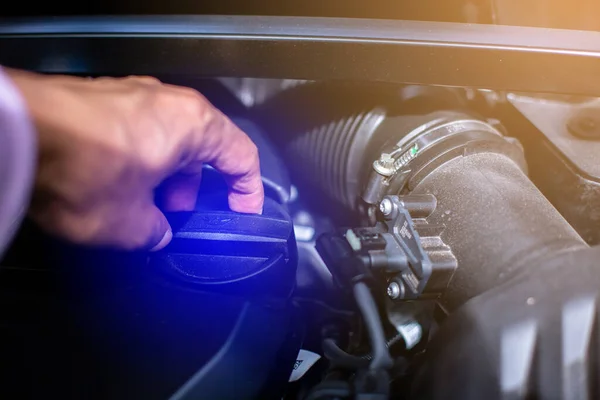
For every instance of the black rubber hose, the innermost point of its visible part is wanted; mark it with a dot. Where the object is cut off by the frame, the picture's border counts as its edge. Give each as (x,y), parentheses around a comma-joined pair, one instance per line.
(366,304)
(497,222)
(340,358)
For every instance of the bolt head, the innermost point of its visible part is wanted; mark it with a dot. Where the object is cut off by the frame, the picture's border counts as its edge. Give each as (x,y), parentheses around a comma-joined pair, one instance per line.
(386,207)
(386,161)
(393,290)
(585,125)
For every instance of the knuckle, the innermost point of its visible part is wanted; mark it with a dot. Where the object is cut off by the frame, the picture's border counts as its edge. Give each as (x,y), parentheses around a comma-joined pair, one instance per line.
(150,79)
(211,121)
(192,105)
(243,159)
(155,159)
(102,80)
(175,105)
(143,79)
(203,110)
(184,99)
(192,94)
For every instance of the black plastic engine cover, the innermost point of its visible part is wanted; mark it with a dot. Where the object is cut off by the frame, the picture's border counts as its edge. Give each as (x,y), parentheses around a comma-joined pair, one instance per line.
(535,337)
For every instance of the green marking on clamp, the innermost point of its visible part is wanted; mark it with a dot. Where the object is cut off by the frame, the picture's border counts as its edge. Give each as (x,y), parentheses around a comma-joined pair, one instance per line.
(414,150)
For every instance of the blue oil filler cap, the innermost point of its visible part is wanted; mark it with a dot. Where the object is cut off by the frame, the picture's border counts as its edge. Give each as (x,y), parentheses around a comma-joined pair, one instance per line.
(218,249)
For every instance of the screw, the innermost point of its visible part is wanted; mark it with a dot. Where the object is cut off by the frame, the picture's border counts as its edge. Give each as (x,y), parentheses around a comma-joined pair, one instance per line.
(394,290)
(384,165)
(386,207)
(585,125)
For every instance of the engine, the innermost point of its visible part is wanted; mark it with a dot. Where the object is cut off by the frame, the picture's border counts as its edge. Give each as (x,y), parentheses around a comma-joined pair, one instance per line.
(431,207)
(414,244)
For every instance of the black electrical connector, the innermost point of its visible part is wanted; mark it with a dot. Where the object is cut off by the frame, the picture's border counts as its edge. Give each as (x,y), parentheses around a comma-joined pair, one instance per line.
(351,269)
(393,249)
(363,261)
(346,264)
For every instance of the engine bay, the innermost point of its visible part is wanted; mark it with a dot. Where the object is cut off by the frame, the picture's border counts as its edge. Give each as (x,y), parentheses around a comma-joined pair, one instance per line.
(417,242)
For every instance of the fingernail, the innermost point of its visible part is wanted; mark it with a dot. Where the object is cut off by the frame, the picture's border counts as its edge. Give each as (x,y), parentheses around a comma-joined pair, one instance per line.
(166,239)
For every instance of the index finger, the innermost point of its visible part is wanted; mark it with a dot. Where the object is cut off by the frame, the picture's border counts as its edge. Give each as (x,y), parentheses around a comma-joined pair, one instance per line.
(231,152)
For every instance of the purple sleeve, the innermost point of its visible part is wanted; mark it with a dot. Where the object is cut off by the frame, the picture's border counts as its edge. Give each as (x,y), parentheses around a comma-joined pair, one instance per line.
(17,159)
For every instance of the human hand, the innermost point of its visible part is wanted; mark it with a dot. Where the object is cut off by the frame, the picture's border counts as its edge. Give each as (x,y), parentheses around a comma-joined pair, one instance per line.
(106,144)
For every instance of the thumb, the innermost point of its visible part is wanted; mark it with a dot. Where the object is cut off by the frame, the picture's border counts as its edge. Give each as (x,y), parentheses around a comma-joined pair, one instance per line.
(144,228)
(160,230)
(166,237)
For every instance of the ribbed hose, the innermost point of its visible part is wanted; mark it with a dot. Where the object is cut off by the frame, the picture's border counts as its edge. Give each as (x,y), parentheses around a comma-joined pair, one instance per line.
(332,155)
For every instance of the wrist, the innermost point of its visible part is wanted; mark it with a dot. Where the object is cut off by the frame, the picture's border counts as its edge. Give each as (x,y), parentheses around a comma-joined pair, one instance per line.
(33,90)
(17,156)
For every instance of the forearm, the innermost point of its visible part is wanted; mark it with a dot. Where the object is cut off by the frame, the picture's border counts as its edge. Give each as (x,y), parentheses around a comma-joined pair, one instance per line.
(17,158)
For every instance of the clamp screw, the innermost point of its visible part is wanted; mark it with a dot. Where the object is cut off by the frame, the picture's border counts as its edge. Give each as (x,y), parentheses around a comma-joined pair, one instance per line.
(384,165)
(386,207)
(394,290)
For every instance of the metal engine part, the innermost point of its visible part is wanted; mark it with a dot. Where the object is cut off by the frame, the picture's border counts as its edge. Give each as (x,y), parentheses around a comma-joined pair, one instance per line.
(404,250)
(496,221)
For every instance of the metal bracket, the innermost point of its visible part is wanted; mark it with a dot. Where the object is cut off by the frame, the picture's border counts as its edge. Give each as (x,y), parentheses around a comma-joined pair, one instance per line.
(404,251)
(393,250)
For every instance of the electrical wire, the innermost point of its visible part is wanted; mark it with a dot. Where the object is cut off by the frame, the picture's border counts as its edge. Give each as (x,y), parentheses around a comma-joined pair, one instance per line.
(340,358)
(381,358)
(366,304)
